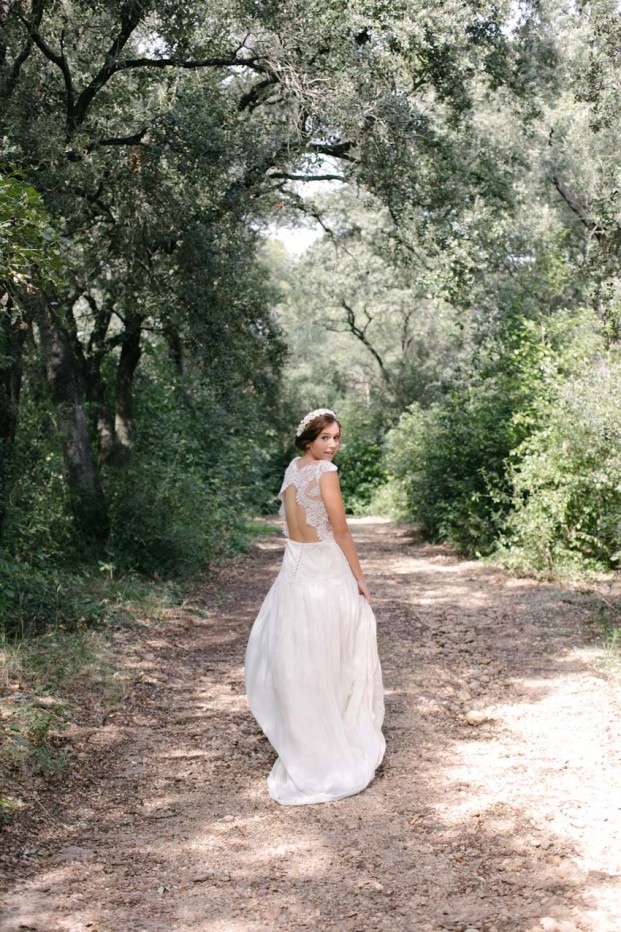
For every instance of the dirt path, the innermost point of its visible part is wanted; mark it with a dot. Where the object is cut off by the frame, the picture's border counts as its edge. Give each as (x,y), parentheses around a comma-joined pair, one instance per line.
(510,823)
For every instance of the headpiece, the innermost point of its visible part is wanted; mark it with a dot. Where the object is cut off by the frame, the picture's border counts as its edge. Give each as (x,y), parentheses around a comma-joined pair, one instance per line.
(311,417)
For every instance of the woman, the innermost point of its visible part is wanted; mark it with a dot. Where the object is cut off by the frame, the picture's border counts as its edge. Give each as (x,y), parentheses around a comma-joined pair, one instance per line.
(313,676)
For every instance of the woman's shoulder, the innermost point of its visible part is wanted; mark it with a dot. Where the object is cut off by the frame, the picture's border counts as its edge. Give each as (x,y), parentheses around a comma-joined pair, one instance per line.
(326,466)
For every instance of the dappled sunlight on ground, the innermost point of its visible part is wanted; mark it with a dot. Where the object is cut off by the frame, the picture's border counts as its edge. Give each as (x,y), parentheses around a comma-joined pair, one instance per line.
(496,808)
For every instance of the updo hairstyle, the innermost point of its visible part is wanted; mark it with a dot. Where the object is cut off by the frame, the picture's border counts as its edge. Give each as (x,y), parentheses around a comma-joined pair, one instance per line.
(312,430)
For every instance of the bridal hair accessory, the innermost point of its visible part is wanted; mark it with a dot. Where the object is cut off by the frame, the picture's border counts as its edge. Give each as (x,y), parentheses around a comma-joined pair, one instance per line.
(311,417)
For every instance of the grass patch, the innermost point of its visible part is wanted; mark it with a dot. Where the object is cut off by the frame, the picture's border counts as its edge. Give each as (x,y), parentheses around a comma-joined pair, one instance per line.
(40,680)
(608,614)
(57,663)
(243,538)
(262,527)
(46,680)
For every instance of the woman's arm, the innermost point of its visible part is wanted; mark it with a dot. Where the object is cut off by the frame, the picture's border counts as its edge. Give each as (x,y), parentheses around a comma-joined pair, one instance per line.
(330,489)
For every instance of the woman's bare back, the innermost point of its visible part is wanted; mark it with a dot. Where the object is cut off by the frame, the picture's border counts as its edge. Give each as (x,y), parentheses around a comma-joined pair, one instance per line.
(295,515)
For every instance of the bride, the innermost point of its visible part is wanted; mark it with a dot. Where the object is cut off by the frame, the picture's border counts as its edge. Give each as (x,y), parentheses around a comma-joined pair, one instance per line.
(313,675)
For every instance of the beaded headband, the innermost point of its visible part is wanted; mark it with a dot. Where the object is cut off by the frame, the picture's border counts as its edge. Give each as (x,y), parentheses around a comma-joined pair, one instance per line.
(311,417)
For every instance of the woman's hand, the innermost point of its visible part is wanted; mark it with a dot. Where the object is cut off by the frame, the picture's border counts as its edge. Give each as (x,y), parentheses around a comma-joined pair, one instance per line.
(363,589)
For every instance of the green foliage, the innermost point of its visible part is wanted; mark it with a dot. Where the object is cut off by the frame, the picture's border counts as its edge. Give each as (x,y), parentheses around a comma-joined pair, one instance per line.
(155,177)
(450,460)
(42,680)
(522,460)
(60,663)
(33,600)
(360,460)
(196,471)
(567,477)
(376,315)
(160,518)
(29,247)
(141,352)
(46,680)
(38,526)
(26,748)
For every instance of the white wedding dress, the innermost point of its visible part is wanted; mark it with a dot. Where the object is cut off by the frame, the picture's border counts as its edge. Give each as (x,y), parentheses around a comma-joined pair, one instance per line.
(313,675)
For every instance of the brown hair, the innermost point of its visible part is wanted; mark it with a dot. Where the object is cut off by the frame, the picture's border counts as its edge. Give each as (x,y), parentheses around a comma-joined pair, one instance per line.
(312,430)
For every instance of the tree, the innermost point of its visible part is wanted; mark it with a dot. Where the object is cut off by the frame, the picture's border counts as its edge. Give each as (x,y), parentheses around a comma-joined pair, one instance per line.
(364,320)
(159,155)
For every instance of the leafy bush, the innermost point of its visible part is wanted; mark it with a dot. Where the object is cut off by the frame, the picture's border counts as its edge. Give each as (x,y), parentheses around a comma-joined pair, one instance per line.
(523,458)
(567,478)
(449,461)
(38,527)
(196,472)
(32,600)
(166,520)
(26,748)
(360,460)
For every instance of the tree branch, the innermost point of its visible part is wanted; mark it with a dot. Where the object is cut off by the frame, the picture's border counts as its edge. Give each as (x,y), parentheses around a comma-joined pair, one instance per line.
(96,200)
(97,344)
(290,177)
(36,14)
(135,139)
(113,65)
(298,203)
(360,334)
(609,240)
(339,150)
(229,61)
(406,339)
(57,58)
(574,204)
(131,14)
(116,340)
(256,95)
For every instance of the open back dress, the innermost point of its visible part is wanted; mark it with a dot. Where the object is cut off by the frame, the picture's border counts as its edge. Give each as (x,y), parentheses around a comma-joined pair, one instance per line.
(313,675)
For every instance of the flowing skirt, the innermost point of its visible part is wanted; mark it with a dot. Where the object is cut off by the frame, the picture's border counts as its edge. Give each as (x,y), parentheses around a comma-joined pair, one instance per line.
(313,678)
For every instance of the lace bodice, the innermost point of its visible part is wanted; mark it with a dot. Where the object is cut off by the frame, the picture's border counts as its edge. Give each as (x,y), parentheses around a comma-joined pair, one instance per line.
(308,495)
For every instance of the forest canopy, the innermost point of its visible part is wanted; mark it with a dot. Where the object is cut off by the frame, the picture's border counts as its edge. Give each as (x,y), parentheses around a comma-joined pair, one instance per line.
(460,310)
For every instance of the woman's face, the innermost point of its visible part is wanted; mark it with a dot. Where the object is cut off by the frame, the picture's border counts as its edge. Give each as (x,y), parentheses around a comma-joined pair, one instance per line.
(326,444)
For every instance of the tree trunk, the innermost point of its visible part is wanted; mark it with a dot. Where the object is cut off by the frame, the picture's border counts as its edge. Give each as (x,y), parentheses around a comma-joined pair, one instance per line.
(12,337)
(104,420)
(95,354)
(175,350)
(3,14)
(66,380)
(123,390)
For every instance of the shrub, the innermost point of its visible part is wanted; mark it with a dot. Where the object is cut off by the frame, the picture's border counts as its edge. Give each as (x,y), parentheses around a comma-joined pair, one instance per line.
(449,462)
(166,520)
(567,478)
(195,473)
(360,460)
(39,528)
(32,600)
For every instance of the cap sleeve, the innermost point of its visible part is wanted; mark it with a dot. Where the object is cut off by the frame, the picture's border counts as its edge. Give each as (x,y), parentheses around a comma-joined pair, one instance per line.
(325,466)
(287,480)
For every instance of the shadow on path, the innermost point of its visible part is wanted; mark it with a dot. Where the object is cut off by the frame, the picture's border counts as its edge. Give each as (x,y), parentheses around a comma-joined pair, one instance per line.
(497,808)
